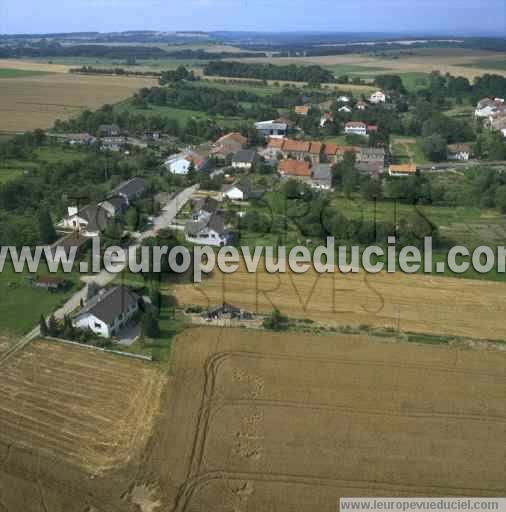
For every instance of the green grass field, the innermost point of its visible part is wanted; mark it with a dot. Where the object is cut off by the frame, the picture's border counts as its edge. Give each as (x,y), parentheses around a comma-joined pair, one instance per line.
(8,174)
(182,115)
(19,73)
(57,153)
(21,305)
(487,64)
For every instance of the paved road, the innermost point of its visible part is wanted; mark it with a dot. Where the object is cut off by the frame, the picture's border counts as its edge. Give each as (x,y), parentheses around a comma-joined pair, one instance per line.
(164,220)
(442,166)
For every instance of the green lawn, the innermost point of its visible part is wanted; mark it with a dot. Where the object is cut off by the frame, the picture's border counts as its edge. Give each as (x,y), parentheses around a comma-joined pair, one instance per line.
(19,73)
(182,115)
(57,153)
(8,174)
(355,69)
(21,305)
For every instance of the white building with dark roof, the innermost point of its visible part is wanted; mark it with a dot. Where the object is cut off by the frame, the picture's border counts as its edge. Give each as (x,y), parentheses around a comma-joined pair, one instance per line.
(108,312)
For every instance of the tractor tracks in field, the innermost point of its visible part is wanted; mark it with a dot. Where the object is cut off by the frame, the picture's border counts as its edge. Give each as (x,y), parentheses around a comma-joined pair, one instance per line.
(210,405)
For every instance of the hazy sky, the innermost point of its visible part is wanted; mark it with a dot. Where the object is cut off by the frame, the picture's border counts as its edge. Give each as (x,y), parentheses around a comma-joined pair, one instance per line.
(422,16)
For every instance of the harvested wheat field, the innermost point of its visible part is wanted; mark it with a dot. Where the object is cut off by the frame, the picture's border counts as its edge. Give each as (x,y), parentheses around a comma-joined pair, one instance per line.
(293,422)
(27,103)
(87,408)
(410,303)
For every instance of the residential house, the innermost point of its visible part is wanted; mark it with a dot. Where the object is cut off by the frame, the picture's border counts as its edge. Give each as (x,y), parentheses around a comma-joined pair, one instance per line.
(131,190)
(498,123)
(488,107)
(108,312)
(207,229)
(332,153)
(344,109)
(81,139)
(378,97)
(369,155)
(114,206)
(302,110)
(326,118)
(244,159)
(315,152)
(227,145)
(109,130)
(273,149)
(296,149)
(321,176)
(272,128)
(459,151)
(298,169)
(343,99)
(89,221)
(372,128)
(355,128)
(361,105)
(115,143)
(237,191)
(402,170)
(181,162)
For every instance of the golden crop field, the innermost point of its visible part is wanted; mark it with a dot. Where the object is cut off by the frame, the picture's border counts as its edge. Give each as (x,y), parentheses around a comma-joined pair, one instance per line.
(232,425)
(89,409)
(393,420)
(421,61)
(27,103)
(408,303)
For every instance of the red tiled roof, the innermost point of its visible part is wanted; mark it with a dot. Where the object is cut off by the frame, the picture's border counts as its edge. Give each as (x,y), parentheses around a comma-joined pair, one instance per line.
(275,142)
(330,149)
(295,168)
(302,109)
(296,145)
(234,136)
(356,124)
(316,148)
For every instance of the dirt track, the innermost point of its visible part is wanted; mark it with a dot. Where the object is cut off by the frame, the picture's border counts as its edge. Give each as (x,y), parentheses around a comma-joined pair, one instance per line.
(410,303)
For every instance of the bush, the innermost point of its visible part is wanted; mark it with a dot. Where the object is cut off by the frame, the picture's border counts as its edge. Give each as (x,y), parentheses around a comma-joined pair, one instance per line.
(276,321)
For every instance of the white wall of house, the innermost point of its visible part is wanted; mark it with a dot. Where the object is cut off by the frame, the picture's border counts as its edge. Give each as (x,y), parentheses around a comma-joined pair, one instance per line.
(356,130)
(461,155)
(91,322)
(378,97)
(207,237)
(179,166)
(242,165)
(234,193)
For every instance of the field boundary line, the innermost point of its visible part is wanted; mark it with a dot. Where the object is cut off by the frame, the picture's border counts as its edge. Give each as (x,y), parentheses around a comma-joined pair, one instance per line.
(99,349)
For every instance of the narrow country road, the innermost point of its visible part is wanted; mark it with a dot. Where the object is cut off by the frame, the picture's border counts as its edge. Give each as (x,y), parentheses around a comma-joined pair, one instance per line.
(164,220)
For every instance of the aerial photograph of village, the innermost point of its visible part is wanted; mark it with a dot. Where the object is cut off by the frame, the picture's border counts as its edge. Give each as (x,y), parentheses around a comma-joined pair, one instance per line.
(252,255)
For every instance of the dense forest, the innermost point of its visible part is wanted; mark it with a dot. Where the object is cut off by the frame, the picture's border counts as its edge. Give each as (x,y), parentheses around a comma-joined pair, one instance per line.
(54,49)
(291,73)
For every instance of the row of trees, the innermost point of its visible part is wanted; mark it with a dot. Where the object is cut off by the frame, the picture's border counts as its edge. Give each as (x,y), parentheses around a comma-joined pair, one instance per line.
(290,73)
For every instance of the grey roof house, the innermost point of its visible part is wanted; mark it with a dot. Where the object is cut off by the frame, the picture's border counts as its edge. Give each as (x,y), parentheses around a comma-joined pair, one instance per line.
(132,189)
(321,176)
(106,313)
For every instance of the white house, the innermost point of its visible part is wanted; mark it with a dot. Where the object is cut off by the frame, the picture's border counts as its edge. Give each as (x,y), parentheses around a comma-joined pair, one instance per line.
(178,164)
(488,107)
(207,230)
(355,128)
(90,221)
(274,129)
(378,97)
(108,312)
(326,118)
(458,152)
(343,99)
(237,191)
(345,109)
